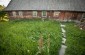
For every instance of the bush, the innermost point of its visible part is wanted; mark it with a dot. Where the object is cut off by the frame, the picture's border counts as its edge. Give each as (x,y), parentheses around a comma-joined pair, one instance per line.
(3,16)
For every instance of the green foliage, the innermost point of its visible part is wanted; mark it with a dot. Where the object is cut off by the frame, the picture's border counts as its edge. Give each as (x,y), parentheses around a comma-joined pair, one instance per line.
(3,16)
(1,7)
(75,40)
(20,37)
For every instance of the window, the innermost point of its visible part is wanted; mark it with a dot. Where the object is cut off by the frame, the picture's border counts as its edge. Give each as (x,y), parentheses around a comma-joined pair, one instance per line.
(56,13)
(83,15)
(20,13)
(14,13)
(44,14)
(34,13)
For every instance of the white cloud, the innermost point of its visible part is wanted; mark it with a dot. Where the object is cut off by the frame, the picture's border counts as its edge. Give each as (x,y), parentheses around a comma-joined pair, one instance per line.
(4,2)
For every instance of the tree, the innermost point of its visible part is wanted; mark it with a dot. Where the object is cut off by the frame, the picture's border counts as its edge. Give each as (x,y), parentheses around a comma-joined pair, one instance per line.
(1,7)
(3,15)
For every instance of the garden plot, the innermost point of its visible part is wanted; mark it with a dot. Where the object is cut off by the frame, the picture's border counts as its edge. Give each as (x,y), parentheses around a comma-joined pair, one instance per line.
(30,37)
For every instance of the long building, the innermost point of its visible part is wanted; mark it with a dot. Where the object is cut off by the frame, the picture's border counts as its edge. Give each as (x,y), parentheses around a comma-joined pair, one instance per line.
(55,9)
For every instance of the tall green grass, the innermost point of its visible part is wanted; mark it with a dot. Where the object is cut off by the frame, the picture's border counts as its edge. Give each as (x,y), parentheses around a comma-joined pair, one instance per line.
(20,37)
(75,40)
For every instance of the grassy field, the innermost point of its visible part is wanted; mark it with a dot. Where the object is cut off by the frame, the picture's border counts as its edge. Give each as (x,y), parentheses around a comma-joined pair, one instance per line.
(21,37)
(75,40)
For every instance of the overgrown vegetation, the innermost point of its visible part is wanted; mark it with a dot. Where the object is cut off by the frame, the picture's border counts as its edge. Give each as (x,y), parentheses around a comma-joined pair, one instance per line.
(1,7)
(27,37)
(3,15)
(75,40)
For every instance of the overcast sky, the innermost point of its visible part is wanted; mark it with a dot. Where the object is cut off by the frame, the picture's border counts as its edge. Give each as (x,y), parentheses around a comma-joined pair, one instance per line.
(4,2)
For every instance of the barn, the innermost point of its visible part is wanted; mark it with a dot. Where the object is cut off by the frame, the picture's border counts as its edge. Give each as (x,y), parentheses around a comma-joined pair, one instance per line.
(55,9)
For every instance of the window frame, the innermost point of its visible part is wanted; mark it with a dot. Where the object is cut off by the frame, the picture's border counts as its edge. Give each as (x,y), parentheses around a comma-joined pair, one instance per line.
(34,13)
(83,15)
(56,13)
(43,13)
(20,13)
(14,13)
